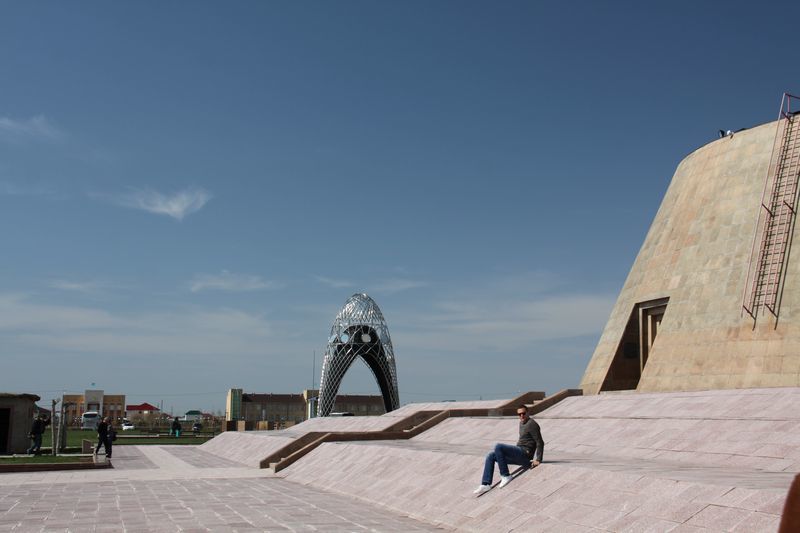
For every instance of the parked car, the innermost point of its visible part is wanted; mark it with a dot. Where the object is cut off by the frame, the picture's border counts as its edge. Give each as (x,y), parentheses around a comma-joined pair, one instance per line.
(90,419)
(127,426)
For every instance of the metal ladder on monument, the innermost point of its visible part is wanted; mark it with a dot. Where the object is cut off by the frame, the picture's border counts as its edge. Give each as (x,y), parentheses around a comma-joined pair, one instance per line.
(777,215)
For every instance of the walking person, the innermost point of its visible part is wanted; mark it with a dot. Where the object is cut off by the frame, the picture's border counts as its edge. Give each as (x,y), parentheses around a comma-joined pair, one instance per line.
(527,452)
(176,427)
(104,433)
(37,430)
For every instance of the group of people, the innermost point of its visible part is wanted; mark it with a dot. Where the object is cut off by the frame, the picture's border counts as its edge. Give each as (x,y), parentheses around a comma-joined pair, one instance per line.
(105,435)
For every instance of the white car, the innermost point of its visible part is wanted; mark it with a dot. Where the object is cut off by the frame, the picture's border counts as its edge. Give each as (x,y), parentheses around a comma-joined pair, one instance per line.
(127,425)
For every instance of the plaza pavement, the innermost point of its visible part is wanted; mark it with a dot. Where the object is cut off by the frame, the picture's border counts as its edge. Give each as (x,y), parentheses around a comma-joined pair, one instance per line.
(181,488)
(705,461)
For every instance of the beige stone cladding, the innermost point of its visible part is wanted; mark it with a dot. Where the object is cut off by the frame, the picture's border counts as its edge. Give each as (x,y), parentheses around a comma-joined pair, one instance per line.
(697,253)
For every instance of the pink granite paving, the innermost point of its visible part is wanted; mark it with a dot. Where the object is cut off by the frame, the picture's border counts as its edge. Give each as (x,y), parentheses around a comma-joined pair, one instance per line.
(691,428)
(250,447)
(189,505)
(185,489)
(247,447)
(436,487)
(194,456)
(652,473)
(130,458)
(624,462)
(412,408)
(754,404)
(759,428)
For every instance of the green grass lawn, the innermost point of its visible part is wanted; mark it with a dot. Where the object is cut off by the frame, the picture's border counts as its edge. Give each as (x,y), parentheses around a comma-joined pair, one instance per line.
(75,438)
(121,441)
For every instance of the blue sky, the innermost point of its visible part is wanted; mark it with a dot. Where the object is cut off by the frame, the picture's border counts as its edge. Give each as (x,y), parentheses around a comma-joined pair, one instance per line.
(190,191)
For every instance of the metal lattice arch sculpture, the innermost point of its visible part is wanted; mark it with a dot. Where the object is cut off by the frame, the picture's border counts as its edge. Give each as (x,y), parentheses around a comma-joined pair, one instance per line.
(359,330)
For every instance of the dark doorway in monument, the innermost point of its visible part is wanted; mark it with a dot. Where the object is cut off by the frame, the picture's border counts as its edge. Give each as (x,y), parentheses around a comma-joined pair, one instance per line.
(635,345)
(5,430)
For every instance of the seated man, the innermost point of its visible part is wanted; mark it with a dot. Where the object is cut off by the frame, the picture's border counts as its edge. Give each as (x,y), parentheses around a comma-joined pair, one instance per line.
(529,447)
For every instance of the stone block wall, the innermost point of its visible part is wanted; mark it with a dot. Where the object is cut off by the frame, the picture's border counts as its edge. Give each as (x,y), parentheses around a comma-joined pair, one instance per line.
(697,254)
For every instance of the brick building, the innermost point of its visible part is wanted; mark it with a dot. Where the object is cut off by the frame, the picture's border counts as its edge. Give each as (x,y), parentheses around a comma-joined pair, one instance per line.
(294,408)
(111,405)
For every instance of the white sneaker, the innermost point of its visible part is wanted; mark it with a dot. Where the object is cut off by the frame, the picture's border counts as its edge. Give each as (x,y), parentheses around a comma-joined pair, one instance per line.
(504,480)
(481,489)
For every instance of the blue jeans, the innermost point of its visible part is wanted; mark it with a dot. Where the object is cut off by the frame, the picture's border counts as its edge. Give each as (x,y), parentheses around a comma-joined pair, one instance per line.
(503,455)
(36,445)
(105,442)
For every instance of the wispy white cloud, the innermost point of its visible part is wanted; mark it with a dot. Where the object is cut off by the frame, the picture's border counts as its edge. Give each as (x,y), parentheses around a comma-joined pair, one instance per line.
(528,282)
(501,322)
(335,283)
(18,313)
(386,286)
(177,205)
(394,285)
(76,286)
(227,281)
(35,128)
(44,327)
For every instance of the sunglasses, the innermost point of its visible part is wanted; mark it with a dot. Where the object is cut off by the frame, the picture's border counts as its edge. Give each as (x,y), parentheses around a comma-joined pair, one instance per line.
(521,414)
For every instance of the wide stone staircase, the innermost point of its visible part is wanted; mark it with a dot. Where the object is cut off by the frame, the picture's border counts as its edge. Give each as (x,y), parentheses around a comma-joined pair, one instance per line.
(696,461)
(279,449)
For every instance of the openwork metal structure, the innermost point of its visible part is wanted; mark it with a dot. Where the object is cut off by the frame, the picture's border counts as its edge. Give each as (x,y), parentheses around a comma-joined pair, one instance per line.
(359,330)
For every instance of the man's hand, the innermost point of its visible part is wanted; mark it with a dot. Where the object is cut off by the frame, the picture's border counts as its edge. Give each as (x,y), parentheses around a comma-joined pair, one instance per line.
(535,463)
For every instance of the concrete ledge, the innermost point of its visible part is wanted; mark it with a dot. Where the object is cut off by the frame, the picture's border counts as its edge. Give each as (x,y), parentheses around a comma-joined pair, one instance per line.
(52,467)
(410,426)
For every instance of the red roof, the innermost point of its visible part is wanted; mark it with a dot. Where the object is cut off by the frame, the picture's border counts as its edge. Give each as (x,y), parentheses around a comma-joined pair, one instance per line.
(143,407)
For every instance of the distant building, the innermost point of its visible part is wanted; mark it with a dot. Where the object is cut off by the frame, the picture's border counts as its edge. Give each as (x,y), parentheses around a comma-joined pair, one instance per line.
(141,409)
(294,408)
(193,416)
(16,418)
(233,405)
(110,405)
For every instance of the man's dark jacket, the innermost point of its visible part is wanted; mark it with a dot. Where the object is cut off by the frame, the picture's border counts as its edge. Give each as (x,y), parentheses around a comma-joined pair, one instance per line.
(530,439)
(38,426)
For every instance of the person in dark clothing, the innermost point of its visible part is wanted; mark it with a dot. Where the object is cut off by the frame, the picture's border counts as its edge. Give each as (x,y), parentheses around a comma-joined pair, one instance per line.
(37,430)
(176,427)
(528,452)
(104,432)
